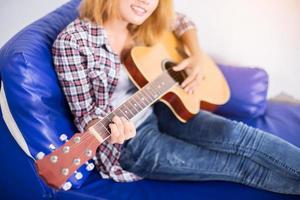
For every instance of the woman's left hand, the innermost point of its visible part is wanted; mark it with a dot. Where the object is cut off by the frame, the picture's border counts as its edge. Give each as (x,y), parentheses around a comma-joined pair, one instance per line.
(193,67)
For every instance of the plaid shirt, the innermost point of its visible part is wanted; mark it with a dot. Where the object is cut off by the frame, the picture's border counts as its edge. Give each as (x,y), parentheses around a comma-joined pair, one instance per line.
(88,71)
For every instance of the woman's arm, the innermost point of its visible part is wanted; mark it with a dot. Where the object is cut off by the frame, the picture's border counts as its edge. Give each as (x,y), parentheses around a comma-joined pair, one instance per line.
(72,71)
(71,66)
(186,30)
(190,40)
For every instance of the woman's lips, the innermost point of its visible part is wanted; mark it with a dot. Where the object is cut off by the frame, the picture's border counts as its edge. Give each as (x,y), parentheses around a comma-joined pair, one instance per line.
(138,10)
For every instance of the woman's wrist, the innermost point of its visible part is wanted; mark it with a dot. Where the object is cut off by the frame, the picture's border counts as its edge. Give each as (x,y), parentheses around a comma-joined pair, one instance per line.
(196,55)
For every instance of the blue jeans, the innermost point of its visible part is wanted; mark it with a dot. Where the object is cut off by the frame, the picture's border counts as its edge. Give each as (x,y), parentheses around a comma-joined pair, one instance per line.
(210,147)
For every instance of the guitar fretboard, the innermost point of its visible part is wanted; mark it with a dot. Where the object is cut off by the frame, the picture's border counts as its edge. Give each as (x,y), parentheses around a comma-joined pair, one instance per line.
(137,102)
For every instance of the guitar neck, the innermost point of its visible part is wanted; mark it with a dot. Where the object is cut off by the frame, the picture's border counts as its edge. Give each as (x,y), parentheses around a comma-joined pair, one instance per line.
(138,102)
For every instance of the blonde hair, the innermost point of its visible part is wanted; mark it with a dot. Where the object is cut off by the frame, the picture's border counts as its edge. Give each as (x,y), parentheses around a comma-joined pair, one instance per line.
(99,11)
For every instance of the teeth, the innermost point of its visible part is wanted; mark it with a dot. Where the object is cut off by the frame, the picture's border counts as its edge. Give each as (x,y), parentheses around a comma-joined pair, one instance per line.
(139,9)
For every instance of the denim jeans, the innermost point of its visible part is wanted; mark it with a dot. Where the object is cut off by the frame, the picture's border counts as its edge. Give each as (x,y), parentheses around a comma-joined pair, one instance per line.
(210,147)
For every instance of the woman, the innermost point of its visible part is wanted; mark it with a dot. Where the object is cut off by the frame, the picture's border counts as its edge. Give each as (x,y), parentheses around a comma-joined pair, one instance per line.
(88,60)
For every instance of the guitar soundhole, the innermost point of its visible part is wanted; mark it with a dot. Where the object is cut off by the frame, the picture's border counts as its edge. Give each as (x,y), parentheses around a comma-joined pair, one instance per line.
(178,76)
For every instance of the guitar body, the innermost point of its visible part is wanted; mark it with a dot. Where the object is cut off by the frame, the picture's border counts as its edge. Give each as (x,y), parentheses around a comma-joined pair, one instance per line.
(144,64)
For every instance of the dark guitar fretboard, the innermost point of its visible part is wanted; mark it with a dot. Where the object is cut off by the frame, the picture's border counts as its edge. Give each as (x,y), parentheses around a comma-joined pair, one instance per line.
(138,102)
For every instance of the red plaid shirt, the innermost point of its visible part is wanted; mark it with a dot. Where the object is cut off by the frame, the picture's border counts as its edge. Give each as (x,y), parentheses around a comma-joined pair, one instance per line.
(88,72)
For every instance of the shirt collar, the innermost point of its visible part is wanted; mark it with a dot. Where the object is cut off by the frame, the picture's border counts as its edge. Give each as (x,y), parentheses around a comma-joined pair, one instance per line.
(98,35)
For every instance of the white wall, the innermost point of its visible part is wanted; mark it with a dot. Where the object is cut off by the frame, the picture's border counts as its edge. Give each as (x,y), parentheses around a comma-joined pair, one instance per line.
(263,33)
(16,14)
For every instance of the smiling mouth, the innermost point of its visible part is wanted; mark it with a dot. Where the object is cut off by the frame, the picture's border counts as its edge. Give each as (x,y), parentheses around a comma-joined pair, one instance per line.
(138,10)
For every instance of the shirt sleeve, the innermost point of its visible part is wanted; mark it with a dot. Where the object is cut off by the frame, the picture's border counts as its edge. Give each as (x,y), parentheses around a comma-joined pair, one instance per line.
(181,24)
(71,65)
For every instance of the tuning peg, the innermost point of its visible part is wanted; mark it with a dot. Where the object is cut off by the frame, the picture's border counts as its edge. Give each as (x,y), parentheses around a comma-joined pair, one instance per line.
(89,166)
(66,149)
(67,186)
(77,139)
(76,161)
(52,147)
(65,171)
(78,175)
(40,155)
(63,137)
(88,152)
(53,159)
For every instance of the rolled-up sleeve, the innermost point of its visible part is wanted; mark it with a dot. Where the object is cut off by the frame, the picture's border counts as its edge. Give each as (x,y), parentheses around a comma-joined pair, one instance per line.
(71,66)
(181,24)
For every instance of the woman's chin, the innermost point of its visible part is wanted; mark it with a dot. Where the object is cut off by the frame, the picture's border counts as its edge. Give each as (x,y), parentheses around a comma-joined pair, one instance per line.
(137,21)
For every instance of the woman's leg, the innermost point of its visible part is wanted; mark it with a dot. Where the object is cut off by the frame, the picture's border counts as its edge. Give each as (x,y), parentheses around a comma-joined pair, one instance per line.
(156,155)
(221,134)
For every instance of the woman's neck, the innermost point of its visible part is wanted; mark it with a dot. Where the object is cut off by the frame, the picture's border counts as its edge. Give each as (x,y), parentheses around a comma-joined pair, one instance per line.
(116,26)
(118,34)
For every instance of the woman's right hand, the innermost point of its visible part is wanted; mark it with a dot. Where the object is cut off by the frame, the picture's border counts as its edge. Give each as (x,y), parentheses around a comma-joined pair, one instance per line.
(121,130)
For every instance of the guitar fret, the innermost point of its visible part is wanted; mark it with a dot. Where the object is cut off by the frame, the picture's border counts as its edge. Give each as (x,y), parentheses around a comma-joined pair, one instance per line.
(146,95)
(119,113)
(150,93)
(158,88)
(104,133)
(155,88)
(106,121)
(132,107)
(110,116)
(153,93)
(101,129)
(139,101)
(136,104)
(128,111)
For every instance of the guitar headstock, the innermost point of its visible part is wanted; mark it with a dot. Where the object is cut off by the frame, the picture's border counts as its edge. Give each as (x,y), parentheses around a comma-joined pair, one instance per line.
(61,163)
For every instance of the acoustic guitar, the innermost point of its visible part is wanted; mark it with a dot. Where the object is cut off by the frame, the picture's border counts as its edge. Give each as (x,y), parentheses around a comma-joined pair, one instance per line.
(150,69)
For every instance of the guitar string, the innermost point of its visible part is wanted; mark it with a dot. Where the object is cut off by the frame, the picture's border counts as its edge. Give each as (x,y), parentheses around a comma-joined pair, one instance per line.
(87,137)
(155,99)
(84,137)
